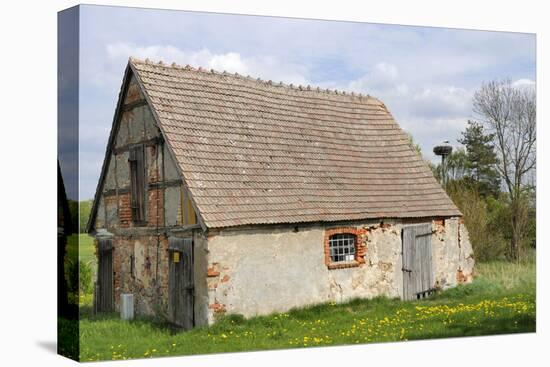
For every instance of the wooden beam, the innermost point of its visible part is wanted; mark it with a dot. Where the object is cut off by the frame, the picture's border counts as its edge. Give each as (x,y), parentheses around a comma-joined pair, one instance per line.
(152,185)
(114,192)
(146,231)
(163,184)
(130,106)
(170,149)
(148,143)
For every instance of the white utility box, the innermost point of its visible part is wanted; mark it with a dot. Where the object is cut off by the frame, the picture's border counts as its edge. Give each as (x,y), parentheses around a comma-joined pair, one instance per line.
(126,306)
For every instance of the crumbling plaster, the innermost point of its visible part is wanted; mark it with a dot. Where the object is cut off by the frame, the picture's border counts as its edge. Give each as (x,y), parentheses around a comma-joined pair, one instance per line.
(263,270)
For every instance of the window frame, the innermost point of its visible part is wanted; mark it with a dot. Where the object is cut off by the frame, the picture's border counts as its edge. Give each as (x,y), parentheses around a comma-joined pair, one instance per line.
(342,247)
(359,251)
(136,162)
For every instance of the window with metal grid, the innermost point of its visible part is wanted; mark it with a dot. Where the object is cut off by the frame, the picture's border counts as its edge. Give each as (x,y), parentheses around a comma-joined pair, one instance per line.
(342,247)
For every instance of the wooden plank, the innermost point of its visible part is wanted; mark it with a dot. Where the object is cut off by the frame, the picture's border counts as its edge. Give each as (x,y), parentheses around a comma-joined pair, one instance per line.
(172,306)
(168,183)
(423,259)
(411,265)
(428,268)
(148,143)
(404,262)
(430,262)
(109,281)
(105,276)
(184,207)
(142,182)
(425,266)
(137,182)
(419,256)
(130,106)
(181,282)
(188,286)
(408,262)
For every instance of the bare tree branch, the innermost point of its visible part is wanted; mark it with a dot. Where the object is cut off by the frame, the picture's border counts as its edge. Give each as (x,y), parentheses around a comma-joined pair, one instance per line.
(510,114)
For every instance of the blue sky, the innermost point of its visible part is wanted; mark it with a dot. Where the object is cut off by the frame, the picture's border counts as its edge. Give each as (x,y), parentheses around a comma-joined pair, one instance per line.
(426,76)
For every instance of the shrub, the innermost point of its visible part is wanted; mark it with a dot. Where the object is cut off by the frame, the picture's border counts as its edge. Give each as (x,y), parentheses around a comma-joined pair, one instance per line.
(85,271)
(79,277)
(71,274)
(484,227)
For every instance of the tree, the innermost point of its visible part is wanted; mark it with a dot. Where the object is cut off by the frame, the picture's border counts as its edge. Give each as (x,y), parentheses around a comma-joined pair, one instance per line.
(455,170)
(414,145)
(509,114)
(456,165)
(481,159)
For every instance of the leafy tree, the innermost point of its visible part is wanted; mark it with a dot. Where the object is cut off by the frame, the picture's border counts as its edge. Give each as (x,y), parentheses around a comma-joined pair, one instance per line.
(481,217)
(481,159)
(510,114)
(80,212)
(85,209)
(414,145)
(456,170)
(457,165)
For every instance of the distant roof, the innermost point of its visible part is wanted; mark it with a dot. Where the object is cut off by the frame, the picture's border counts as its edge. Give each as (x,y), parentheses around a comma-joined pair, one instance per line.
(257,152)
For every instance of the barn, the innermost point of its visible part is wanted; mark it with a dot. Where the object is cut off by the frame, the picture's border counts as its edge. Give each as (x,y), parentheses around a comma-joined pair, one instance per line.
(221,193)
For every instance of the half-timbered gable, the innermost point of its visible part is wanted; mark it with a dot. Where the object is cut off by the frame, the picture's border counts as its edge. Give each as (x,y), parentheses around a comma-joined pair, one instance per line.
(224,193)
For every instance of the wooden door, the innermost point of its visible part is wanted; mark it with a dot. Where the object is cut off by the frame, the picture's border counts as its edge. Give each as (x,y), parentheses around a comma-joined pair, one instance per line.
(180,282)
(104,302)
(418,279)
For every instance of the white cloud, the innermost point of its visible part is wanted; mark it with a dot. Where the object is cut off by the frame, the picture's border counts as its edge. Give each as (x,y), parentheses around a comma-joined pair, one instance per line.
(266,67)
(432,112)
(412,99)
(524,83)
(426,79)
(230,61)
(441,100)
(383,78)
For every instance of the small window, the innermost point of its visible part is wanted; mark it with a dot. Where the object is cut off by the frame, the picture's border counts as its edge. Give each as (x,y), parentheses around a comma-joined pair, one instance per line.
(342,247)
(137,183)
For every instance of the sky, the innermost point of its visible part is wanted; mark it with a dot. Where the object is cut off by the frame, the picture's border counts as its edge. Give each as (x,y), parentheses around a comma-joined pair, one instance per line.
(426,76)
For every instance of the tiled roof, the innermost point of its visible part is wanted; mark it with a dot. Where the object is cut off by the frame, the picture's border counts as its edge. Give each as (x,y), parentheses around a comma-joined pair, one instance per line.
(253,151)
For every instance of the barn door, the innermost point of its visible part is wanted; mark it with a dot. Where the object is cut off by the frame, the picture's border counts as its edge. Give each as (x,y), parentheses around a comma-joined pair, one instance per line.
(180,282)
(418,280)
(104,291)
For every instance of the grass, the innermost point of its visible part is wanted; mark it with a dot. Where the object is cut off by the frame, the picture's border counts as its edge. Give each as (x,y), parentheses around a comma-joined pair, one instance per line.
(83,242)
(500,300)
(81,246)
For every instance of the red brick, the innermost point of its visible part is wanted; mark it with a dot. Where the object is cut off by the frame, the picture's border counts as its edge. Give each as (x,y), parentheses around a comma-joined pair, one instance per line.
(211,272)
(361,237)
(217,307)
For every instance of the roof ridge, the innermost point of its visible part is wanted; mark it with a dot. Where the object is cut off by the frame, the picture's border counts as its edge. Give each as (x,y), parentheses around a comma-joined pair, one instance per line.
(291,86)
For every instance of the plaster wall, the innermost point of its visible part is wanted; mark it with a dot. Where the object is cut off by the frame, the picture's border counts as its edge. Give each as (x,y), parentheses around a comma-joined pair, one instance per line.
(260,271)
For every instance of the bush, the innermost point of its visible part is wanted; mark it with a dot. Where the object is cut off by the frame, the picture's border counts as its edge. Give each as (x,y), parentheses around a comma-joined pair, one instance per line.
(85,271)
(79,277)
(500,217)
(484,225)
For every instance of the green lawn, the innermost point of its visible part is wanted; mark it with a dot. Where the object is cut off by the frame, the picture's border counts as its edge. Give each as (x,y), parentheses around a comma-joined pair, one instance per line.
(86,247)
(500,300)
